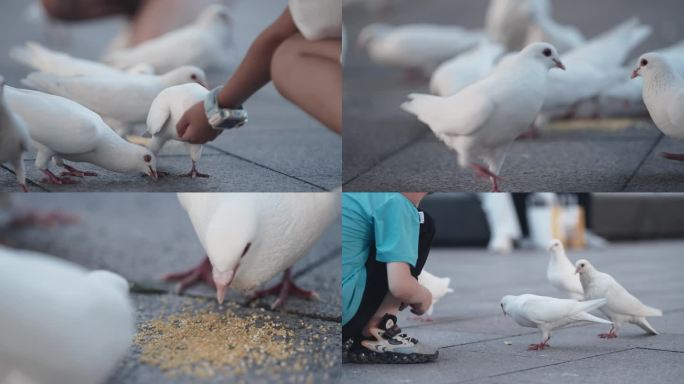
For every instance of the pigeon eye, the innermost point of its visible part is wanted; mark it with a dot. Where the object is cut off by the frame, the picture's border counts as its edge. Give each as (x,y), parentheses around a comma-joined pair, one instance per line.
(246,250)
(194,77)
(644,62)
(547,52)
(147,158)
(582,265)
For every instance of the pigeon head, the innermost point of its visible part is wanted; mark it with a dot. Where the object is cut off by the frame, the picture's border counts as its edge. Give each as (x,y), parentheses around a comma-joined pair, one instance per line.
(370,32)
(228,240)
(110,279)
(184,75)
(215,14)
(544,53)
(506,303)
(650,63)
(146,162)
(583,266)
(555,245)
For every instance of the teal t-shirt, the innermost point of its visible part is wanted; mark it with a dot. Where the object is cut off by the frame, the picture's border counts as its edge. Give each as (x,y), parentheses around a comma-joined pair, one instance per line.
(388,219)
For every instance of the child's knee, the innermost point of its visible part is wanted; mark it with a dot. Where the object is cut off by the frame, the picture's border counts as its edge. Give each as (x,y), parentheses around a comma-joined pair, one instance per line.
(284,58)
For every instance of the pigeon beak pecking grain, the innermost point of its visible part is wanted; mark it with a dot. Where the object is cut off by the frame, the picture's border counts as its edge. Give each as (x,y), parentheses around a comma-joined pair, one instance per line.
(559,64)
(222,281)
(153,174)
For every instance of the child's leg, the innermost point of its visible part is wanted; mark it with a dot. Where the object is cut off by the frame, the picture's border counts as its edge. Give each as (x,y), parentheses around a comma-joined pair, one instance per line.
(427,233)
(389,305)
(309,74)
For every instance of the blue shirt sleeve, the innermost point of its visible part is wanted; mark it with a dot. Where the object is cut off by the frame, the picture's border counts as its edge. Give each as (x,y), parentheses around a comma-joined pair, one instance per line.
(397,227)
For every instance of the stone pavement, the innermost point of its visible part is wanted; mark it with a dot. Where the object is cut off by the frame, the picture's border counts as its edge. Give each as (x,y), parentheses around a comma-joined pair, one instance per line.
(473,335)
(282,149)
(388,149)
(143,236)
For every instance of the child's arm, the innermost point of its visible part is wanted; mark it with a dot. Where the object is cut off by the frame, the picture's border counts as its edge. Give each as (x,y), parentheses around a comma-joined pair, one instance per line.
(406,288)
(251,75)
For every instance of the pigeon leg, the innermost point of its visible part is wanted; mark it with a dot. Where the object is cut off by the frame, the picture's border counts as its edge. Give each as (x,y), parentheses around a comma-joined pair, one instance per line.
(198,274)
(51,178)
(540,346)
(71,171)
(194,172)
(610,335)
(484,172)
(672,156)
(285,288)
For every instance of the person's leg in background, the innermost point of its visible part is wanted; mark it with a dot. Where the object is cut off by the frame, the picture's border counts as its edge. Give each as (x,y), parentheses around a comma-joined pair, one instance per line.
(308,73)
(149,18)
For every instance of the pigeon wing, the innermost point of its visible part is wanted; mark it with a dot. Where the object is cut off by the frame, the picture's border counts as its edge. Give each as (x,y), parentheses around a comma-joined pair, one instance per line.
(458,115)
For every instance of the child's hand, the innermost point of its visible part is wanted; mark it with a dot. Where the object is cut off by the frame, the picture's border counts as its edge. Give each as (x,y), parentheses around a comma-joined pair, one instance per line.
(424,304)
(194,127)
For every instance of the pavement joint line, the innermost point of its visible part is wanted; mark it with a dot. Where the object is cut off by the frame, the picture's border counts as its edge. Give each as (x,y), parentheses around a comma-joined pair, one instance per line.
(562,362)
(265,167)
(486,340)
(415,140)
(28,180)
(641,163)
(658,349)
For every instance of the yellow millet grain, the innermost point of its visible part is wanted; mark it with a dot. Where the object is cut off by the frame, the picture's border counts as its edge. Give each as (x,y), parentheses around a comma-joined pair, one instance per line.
(206,344)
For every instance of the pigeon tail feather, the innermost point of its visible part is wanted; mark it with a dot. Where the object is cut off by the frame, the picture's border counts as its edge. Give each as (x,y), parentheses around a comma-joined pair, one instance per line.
(646,326)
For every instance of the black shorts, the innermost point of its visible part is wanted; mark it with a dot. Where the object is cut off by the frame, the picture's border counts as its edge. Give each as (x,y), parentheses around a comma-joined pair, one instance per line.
(376,280)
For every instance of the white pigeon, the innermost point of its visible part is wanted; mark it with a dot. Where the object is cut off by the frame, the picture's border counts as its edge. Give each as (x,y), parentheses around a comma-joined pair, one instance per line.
(251,237)
(125,98)
(14,138)
(484,119)
(561,273)
(663,95)
(630,90)
(621,306)
(548,313)
(612,48)
(416,47)
(65,130)
(166,111)
(507,21)
(596,65)
(438,287)
(207,44)
(465,69)
(62,324)
(56,63)
(543,28)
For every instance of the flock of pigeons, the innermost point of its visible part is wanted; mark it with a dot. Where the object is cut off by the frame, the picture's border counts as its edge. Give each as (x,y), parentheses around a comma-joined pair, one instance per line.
(67,116)
(484,98)
(79,332)
(587,289)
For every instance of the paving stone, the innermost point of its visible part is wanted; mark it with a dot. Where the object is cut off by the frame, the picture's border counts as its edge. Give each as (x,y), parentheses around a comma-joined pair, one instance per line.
(631,366)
